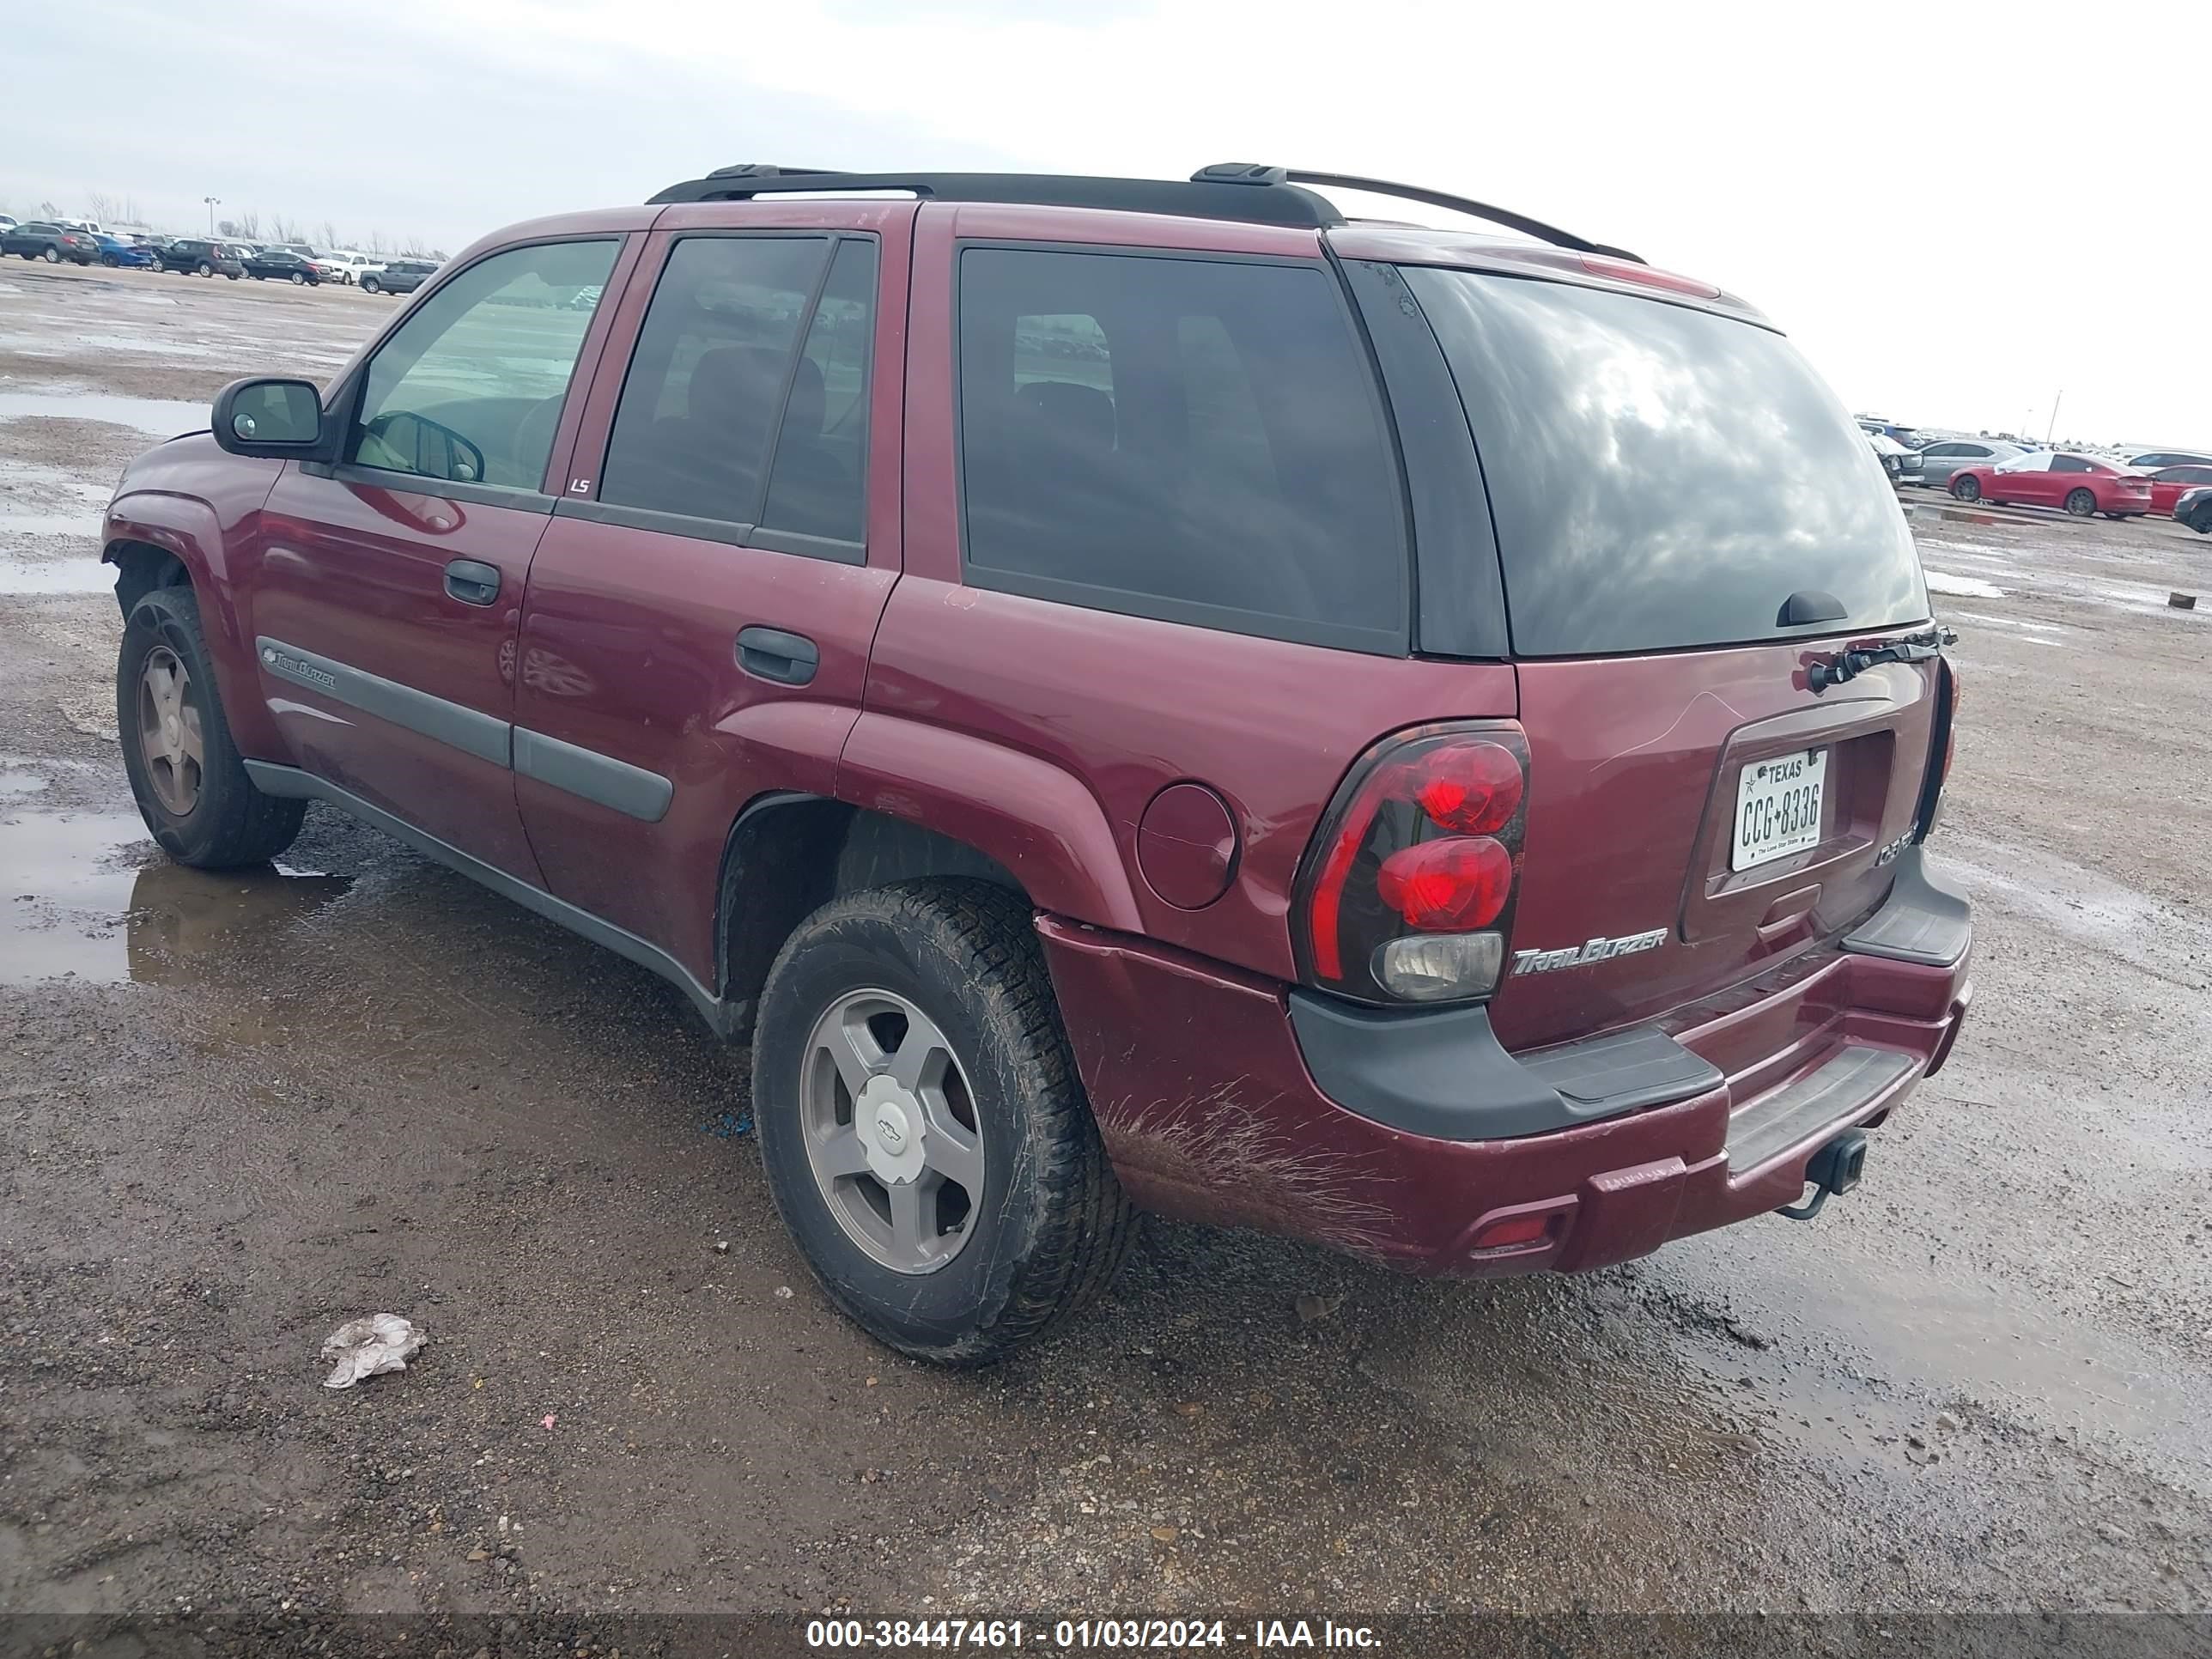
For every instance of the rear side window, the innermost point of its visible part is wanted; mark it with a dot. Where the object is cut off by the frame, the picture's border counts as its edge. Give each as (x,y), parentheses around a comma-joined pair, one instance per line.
(754,349)
(1661,476)
(1196,440)
(469,388)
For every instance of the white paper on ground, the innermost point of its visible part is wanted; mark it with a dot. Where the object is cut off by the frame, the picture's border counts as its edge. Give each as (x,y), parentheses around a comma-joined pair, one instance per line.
(369,1347)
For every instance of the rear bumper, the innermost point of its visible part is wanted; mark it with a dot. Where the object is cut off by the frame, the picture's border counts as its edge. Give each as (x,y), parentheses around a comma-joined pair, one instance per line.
(1210,1111)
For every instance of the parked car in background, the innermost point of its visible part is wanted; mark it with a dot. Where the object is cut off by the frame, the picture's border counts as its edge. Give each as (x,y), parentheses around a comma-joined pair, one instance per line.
(282,264)
(8,221)
(1945,456)
(42,239)
(1901,461)
(2152,459)
(2168,485)
(115,253)
(2083,485)
(1108,810)
(2195,509)
(398,277)
(351,267)
(195,256)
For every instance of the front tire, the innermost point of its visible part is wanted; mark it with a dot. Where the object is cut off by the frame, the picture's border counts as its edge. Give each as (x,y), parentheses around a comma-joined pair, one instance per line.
(2081,503)
(191,787)
(370,285)
(1966,489)
(924,1135)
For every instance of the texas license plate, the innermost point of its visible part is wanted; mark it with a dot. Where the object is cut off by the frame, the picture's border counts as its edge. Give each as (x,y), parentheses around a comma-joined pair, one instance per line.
(1778,807)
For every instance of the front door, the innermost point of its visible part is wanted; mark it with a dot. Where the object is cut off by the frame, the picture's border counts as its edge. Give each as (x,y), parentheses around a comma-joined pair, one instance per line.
(699,611)
(391,586)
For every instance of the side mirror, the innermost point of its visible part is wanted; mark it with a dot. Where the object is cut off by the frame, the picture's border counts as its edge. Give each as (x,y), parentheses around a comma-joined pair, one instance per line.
(276,419)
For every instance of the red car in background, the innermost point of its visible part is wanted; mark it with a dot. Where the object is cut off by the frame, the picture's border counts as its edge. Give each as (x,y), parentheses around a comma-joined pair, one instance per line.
(2083,485)
(2169,483)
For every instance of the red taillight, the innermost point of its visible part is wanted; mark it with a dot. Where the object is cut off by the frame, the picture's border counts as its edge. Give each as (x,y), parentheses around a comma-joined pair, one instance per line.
(1407,892)
(1449,887)
(1472,787)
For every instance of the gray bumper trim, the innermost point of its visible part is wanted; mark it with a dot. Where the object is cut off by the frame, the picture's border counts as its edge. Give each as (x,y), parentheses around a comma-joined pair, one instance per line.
(1442,1072)
(1922,920)
(1822,1099)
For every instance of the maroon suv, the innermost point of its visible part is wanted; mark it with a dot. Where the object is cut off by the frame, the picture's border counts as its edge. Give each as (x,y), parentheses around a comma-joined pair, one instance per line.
(1129,694)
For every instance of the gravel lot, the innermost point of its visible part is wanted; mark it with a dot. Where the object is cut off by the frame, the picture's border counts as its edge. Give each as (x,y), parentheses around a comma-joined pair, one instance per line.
(236,1110)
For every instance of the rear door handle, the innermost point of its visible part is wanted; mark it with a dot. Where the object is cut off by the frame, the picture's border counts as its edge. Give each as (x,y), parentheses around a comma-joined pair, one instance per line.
(769,653)
(473,582)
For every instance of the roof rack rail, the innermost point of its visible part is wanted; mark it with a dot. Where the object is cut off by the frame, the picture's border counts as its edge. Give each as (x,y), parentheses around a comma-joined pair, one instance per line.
(1249,191)
(762,170)
(1496,216)
(1198,199)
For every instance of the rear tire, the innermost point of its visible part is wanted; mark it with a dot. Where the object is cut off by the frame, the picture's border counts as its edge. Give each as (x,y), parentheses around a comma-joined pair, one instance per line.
(299,279)
(2081,503)
(52,256)
(204,268)
(110,261)
(1966,489)
(1049,1224)
(201,806)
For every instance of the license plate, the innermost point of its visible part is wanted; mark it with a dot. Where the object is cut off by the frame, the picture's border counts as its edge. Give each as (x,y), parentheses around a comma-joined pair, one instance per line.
(1778,807)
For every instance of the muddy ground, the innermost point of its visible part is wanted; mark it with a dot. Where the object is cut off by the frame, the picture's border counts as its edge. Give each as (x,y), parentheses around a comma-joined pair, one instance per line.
(235,1110)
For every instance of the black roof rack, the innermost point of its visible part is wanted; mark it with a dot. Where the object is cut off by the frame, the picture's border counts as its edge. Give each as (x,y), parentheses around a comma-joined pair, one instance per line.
(1249,191)
(1195,199)
(1496,216)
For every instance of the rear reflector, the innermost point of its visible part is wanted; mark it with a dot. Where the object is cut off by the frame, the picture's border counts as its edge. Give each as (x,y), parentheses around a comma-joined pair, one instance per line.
(1512,1230)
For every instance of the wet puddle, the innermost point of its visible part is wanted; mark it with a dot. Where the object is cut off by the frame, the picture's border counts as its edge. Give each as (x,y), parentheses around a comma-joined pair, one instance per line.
(87,896)
(46,576)
(160,417)
(1969,588)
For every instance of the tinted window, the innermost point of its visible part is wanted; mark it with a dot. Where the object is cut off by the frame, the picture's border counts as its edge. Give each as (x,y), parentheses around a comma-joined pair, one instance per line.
(1194,439)
(2070,464)
(470,388)
(1661,475)
(708,379)
(815,488)
(1945,449)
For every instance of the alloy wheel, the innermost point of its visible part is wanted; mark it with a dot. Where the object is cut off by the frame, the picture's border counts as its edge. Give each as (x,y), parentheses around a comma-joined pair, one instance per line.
(889,1125)
(169,730)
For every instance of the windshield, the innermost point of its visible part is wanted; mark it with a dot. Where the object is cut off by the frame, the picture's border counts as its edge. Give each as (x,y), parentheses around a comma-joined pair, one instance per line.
(1661,476)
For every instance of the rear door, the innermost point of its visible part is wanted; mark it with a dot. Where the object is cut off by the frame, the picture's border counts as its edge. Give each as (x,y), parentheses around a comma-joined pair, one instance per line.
(1696,809)
(1159,589)
(697,626)
(390,587)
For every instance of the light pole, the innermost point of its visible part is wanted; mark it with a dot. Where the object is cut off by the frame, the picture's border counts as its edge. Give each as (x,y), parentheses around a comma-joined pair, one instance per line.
(213,202)
(2053,427)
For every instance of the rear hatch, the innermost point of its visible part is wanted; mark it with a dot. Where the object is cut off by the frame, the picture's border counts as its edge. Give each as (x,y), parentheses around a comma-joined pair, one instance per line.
(1686,522)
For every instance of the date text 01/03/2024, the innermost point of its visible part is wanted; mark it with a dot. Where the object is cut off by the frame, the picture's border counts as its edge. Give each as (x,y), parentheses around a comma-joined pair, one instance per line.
(1086,1634)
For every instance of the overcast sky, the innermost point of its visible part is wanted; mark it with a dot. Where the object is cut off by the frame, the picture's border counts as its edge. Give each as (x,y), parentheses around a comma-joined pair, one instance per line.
(1955,209)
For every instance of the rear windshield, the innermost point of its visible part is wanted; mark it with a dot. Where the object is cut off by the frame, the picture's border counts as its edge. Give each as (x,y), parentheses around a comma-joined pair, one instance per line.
(1661,476)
